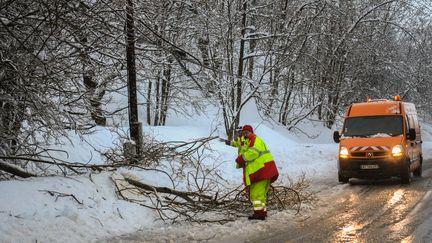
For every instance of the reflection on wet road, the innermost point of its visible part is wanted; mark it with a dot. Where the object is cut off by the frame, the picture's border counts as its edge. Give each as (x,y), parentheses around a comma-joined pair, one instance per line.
(369,211)
(373,212)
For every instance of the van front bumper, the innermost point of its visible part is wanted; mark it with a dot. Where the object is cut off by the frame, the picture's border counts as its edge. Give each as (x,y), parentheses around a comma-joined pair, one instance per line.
(365,168)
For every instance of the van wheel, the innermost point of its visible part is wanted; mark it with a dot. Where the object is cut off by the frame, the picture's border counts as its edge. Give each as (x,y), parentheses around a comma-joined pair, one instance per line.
(343,179)
(405,176)
(419,170)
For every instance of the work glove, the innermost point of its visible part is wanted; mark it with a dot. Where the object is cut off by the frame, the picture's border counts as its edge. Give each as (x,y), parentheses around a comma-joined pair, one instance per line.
(227,142)
(240,161)
(238,166)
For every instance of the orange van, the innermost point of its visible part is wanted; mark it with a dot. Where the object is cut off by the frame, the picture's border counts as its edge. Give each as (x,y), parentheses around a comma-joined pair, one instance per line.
(380,139)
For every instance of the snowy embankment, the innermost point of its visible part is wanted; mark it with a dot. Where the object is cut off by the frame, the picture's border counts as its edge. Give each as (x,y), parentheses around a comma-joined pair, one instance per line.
(86,208)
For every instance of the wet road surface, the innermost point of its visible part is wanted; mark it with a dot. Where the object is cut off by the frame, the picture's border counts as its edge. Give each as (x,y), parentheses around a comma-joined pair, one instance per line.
(369,211)
(362,211)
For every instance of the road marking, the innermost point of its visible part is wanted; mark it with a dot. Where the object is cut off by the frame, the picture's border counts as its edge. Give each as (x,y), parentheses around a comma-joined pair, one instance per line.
(424,227)
(421,203)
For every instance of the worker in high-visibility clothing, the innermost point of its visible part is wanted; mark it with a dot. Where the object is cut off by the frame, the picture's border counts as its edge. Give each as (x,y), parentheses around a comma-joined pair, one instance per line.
(259,168)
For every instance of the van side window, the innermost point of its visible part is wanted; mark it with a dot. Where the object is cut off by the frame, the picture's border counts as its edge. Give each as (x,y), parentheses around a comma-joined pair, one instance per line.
(407,123)
(411,122)
(416,124)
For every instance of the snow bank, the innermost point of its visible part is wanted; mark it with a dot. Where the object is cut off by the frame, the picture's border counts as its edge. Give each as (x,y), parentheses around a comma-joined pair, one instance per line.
(58,209)
(41,209)
(86,148)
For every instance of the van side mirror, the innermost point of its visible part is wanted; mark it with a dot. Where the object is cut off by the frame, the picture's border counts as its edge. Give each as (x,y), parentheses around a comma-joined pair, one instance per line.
(336,136)
(411,134)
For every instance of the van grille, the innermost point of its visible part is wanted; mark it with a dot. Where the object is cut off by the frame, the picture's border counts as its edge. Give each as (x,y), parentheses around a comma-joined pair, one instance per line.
(364,154)
(379,153)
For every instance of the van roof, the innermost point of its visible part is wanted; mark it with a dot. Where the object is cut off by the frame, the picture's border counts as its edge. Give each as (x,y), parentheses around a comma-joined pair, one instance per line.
(375,108)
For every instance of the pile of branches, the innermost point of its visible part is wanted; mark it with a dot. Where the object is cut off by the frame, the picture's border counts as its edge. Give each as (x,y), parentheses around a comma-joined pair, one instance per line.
(204,196)
(33,165)
(221,206)
(154,151)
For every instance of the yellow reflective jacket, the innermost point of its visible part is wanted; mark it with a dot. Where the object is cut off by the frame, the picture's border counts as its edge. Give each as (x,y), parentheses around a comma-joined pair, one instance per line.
(255,159)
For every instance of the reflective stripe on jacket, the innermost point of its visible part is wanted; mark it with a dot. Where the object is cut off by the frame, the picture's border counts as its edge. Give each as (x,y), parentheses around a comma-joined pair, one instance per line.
(258,161)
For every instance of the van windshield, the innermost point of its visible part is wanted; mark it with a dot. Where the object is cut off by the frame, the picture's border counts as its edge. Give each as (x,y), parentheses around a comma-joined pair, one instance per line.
(368,126)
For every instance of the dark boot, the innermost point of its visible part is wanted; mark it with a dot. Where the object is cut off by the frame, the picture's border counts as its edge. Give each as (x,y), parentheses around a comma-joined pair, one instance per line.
(258,214)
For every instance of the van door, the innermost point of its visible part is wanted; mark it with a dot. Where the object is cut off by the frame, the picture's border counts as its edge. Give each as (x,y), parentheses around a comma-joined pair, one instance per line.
(410,144)
(417,142)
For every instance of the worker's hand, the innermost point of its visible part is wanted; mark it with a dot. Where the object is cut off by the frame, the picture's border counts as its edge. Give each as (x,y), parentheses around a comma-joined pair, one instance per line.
(240,166)
(240,161)
(227,142)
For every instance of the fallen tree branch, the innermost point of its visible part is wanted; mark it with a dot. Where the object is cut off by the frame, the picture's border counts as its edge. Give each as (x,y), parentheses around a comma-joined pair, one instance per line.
(184,195)
(66,164)
(15,170)
(61,194)
(69,165)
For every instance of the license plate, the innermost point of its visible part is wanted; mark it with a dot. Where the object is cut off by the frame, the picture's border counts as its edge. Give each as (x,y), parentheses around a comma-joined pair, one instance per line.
(368,167)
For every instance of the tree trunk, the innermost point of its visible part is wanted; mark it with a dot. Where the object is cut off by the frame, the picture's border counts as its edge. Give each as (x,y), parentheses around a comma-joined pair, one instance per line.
(166,85)
(252,45)
(93,98)
(149,101)
(240,69)
(131,73)
(157,100)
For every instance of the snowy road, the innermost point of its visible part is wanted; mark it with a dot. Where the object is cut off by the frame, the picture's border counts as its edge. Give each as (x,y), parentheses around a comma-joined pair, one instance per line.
(369,211)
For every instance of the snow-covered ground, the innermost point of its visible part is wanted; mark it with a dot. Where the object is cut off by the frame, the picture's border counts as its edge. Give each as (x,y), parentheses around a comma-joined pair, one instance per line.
(86,208)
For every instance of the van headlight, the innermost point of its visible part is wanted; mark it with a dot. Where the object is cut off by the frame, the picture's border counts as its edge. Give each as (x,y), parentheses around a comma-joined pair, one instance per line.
(343,152)
(397,150)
